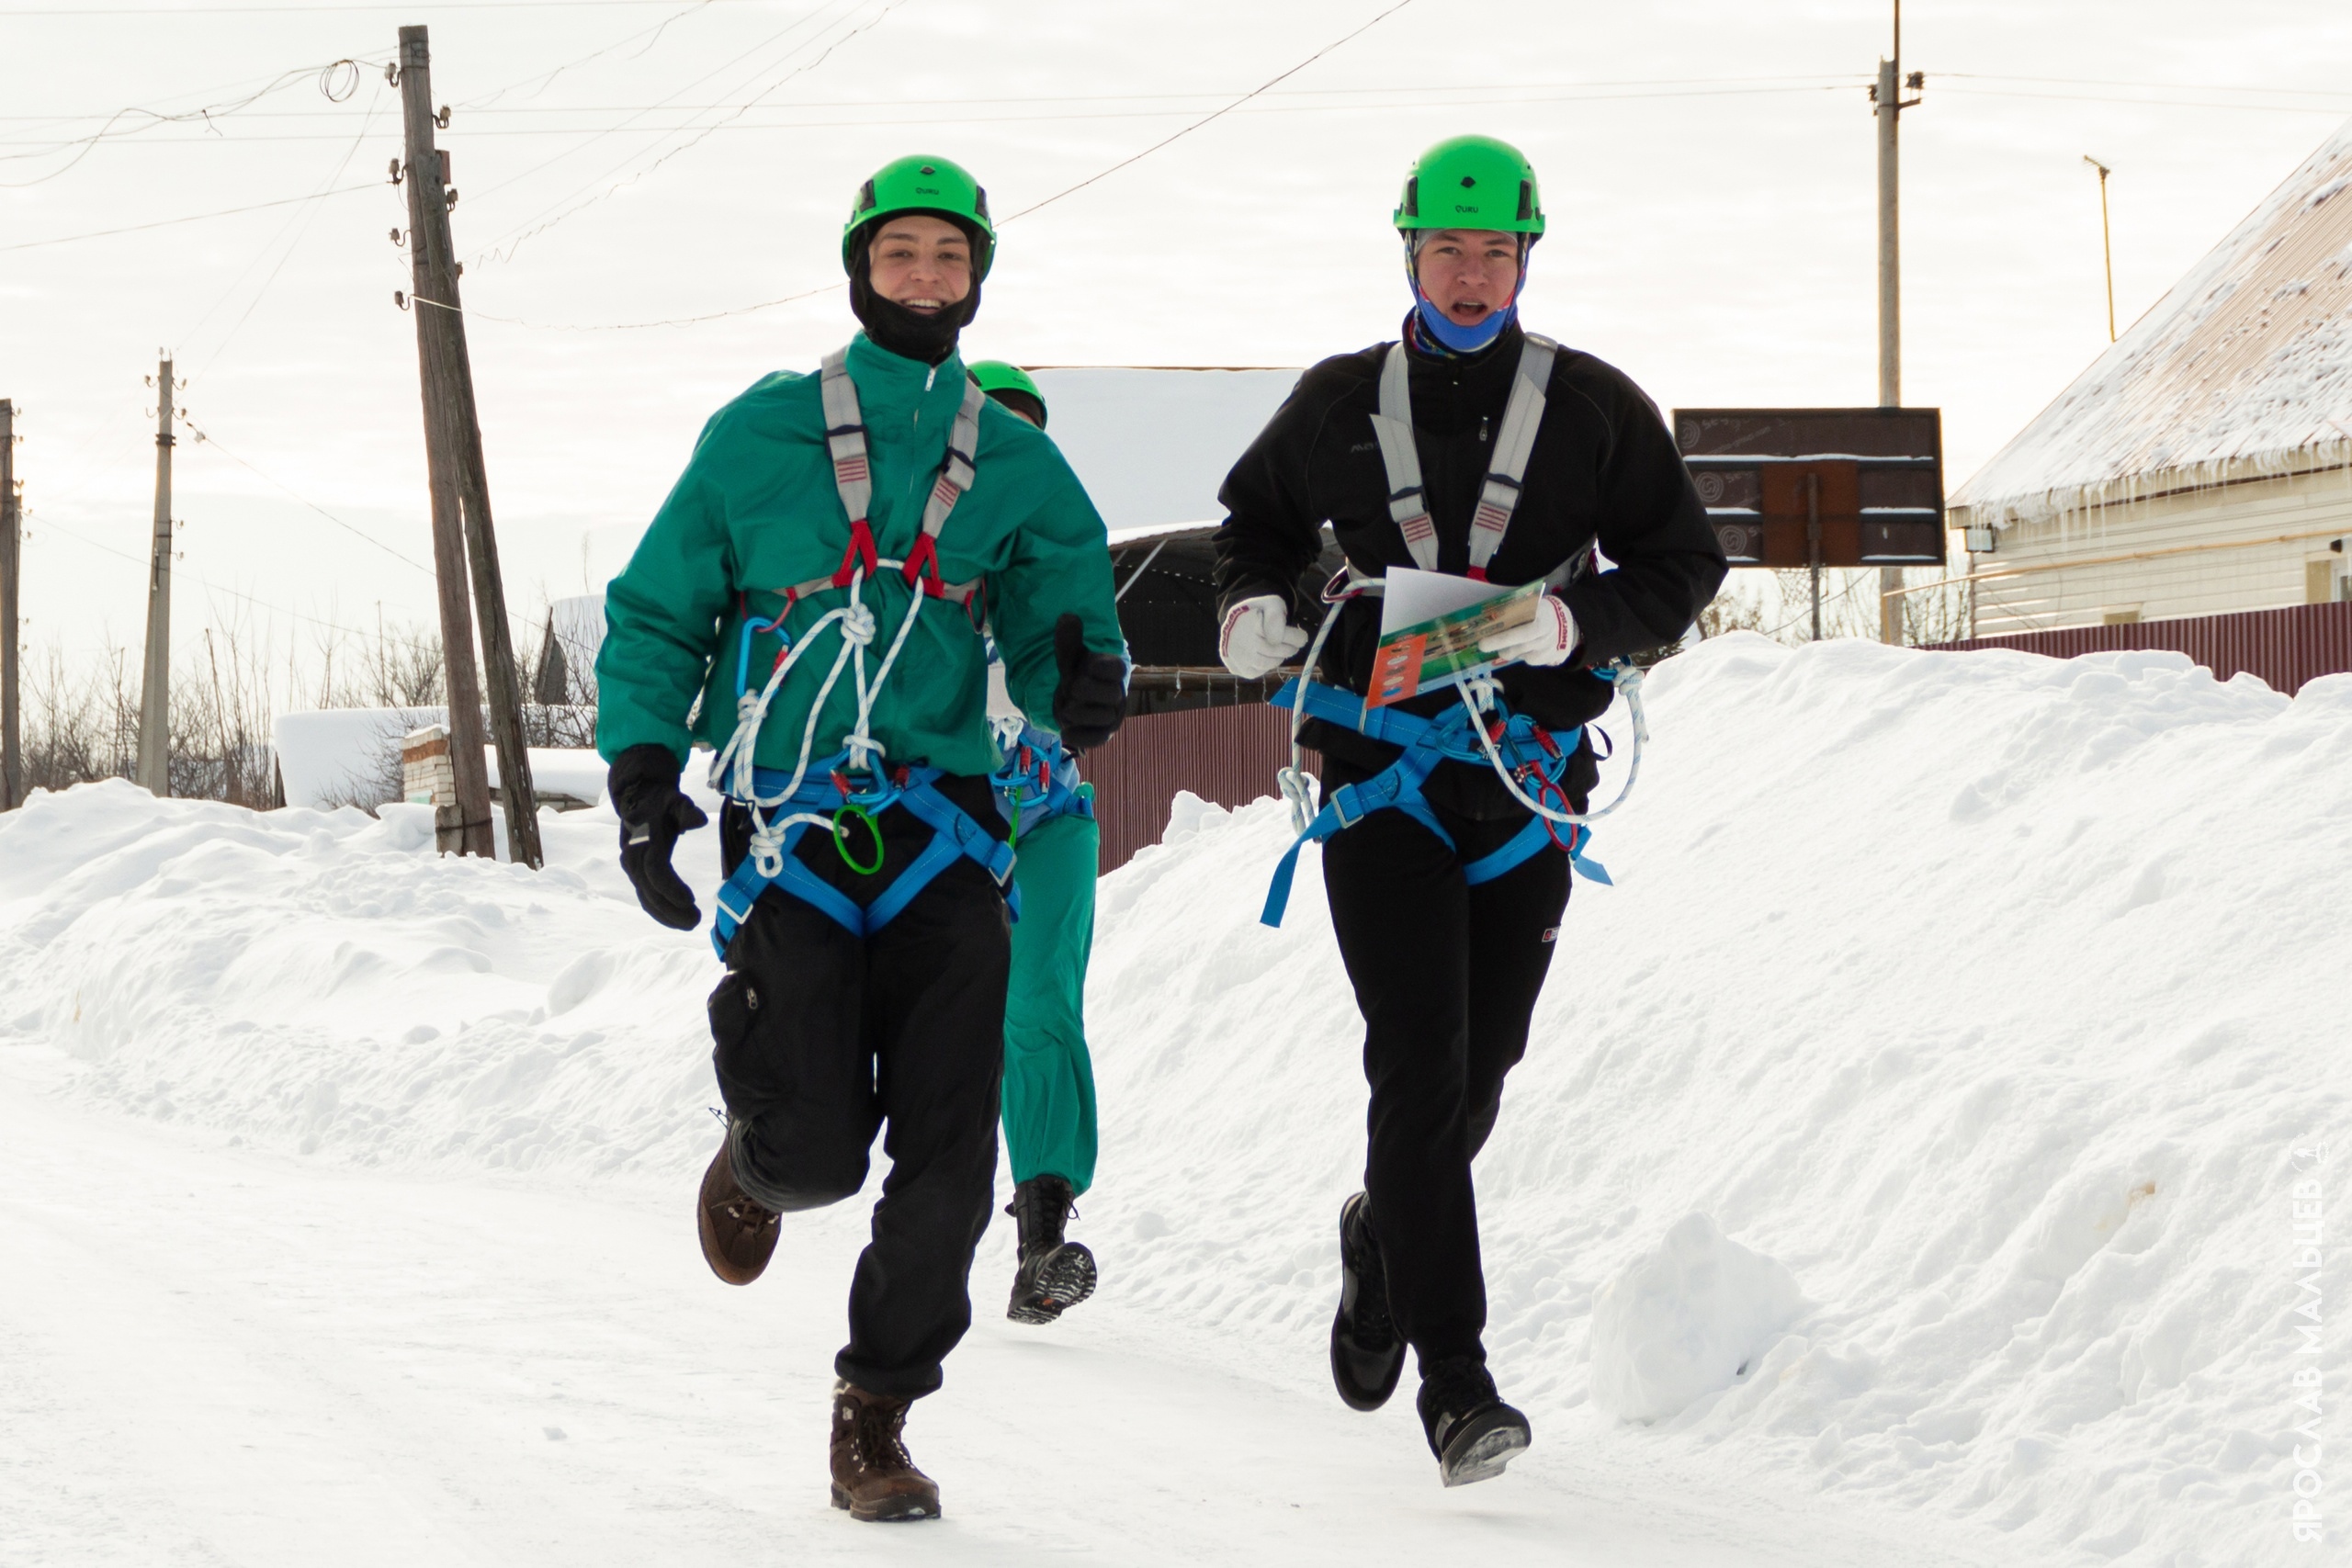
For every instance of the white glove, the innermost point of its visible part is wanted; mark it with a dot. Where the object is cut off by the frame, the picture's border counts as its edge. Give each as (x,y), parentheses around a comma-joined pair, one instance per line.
(1257,637)
(1549,639)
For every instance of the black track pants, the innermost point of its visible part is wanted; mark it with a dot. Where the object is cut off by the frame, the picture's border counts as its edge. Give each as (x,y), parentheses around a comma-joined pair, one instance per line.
(1446,976)
(823,1038)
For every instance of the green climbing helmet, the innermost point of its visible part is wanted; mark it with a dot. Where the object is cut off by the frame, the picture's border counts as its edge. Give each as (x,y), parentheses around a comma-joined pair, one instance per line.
(995,376)
(1472,182)
(920,184)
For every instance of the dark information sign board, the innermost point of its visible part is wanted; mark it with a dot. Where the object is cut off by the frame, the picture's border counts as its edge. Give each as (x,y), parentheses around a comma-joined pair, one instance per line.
(1819,487)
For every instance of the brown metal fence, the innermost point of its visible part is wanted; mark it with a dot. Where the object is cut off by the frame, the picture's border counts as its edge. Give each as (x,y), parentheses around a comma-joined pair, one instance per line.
(1225,754)
(2283,647)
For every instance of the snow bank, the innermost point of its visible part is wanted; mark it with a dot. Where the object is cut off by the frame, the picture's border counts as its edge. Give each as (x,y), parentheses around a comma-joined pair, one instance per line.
(1988,997)
(1686,1319)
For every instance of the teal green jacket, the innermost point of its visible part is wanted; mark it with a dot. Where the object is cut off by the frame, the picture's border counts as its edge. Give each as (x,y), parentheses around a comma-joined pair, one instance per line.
(756,512)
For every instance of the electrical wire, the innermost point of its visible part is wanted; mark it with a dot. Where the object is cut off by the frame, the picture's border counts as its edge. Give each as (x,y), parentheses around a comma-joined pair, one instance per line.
(84,540)
(471,314)
(2335,112)
(1209,119)
(549,163)
(306,500)
(144,119)
(1486,101)
(745,310)
(540,82)
(503,247)
(191,218)
(308,7)
(1776,82)
(299,224)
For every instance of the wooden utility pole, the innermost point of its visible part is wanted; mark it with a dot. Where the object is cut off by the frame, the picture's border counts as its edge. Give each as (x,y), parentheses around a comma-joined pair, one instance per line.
(155,766)
(460,487)
(1888,98)
(11,759)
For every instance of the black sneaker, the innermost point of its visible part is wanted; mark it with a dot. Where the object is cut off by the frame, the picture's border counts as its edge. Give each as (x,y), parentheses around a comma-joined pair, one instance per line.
(1367,1356)
(1471,1430)
(1055,1275)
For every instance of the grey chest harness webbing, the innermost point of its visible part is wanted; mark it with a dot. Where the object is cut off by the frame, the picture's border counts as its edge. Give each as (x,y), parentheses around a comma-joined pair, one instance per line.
(1401,455)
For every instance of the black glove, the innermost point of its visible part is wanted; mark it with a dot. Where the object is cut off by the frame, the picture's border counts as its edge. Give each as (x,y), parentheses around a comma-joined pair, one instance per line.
(653,812)
(1093,696)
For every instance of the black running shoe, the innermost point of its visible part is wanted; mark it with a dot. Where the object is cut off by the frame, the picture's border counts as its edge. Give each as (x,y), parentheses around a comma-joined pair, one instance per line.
(1471,1430)
(1055,1275)
(1367,1356)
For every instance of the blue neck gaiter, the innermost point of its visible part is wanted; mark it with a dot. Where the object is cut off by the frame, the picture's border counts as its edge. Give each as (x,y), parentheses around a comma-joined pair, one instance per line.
(1462,339)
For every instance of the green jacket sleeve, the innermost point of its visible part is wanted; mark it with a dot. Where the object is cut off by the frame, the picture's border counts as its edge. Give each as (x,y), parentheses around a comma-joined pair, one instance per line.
(661,616)
(1059,564)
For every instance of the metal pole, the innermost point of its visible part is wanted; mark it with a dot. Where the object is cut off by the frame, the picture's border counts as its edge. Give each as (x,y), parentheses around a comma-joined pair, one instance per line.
(440,315)
(1813,543)
(155,763)
(12,760)
(1890,291)
(422,168)
(2105,242)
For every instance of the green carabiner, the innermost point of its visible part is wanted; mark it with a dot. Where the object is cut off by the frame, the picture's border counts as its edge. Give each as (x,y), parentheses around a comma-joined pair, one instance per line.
(850,808)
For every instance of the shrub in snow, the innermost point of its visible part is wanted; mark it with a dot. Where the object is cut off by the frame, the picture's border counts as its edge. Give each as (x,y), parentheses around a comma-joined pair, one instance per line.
(1685,1320)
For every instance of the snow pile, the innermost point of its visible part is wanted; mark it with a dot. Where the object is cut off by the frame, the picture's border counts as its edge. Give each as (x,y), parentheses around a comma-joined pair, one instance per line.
(2243,367)
(1688,1319)
(1988,996)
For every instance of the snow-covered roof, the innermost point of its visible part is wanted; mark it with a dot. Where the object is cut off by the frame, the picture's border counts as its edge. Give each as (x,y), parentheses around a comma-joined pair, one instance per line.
(1144,533)
(2244,368)
(1153,446)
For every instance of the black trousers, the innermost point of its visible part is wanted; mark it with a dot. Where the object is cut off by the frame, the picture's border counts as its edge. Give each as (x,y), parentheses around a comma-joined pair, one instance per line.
(1446,976)
(823,1038)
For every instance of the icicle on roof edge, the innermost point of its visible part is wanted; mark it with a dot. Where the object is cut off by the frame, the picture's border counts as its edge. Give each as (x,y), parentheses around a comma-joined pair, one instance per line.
(2243,369)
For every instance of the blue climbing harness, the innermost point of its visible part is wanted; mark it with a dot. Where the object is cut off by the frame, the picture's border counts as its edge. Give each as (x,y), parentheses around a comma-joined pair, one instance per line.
(954,836)
(849,790)
(1536,759)
(1038,782)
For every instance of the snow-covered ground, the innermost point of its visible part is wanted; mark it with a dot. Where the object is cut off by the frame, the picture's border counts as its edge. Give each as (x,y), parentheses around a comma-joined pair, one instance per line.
(1900,1172)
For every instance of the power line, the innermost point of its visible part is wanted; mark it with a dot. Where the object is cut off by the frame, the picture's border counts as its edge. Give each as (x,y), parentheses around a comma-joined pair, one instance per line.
(2113,82)
(2335,111)
(482,105)
(328,75)
(1206,118)
(1487,101)
(307,8)
(1114,168)
(533,227)
(191,218)
(306,500)
(84,540)
(472,314)
(301,218)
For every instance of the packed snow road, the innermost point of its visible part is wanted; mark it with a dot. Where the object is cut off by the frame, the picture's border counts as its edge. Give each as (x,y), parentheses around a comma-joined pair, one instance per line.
(1906,1149)
(216,1355)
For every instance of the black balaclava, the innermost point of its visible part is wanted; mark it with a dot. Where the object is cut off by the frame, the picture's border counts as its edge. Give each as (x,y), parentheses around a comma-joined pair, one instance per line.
(894,327)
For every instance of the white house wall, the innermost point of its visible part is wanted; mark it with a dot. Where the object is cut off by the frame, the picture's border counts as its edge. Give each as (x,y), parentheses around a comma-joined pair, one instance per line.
(2254,573)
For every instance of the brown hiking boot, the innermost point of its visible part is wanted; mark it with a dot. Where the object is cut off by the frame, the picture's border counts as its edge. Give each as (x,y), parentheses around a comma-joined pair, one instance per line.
(873,1477)
(738,1234)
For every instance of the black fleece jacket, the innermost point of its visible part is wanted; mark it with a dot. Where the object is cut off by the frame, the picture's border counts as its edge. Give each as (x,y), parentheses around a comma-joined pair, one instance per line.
(1604,472)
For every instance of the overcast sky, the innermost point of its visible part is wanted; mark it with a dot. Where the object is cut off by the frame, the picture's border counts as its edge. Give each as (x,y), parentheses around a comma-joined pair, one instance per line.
(1708,170)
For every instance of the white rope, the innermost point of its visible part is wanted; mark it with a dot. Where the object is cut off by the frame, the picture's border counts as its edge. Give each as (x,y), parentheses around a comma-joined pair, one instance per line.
(1298,785)
(858,626)
(1477,694)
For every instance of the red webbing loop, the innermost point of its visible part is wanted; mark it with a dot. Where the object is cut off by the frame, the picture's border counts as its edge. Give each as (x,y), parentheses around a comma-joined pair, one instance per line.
(861,553)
